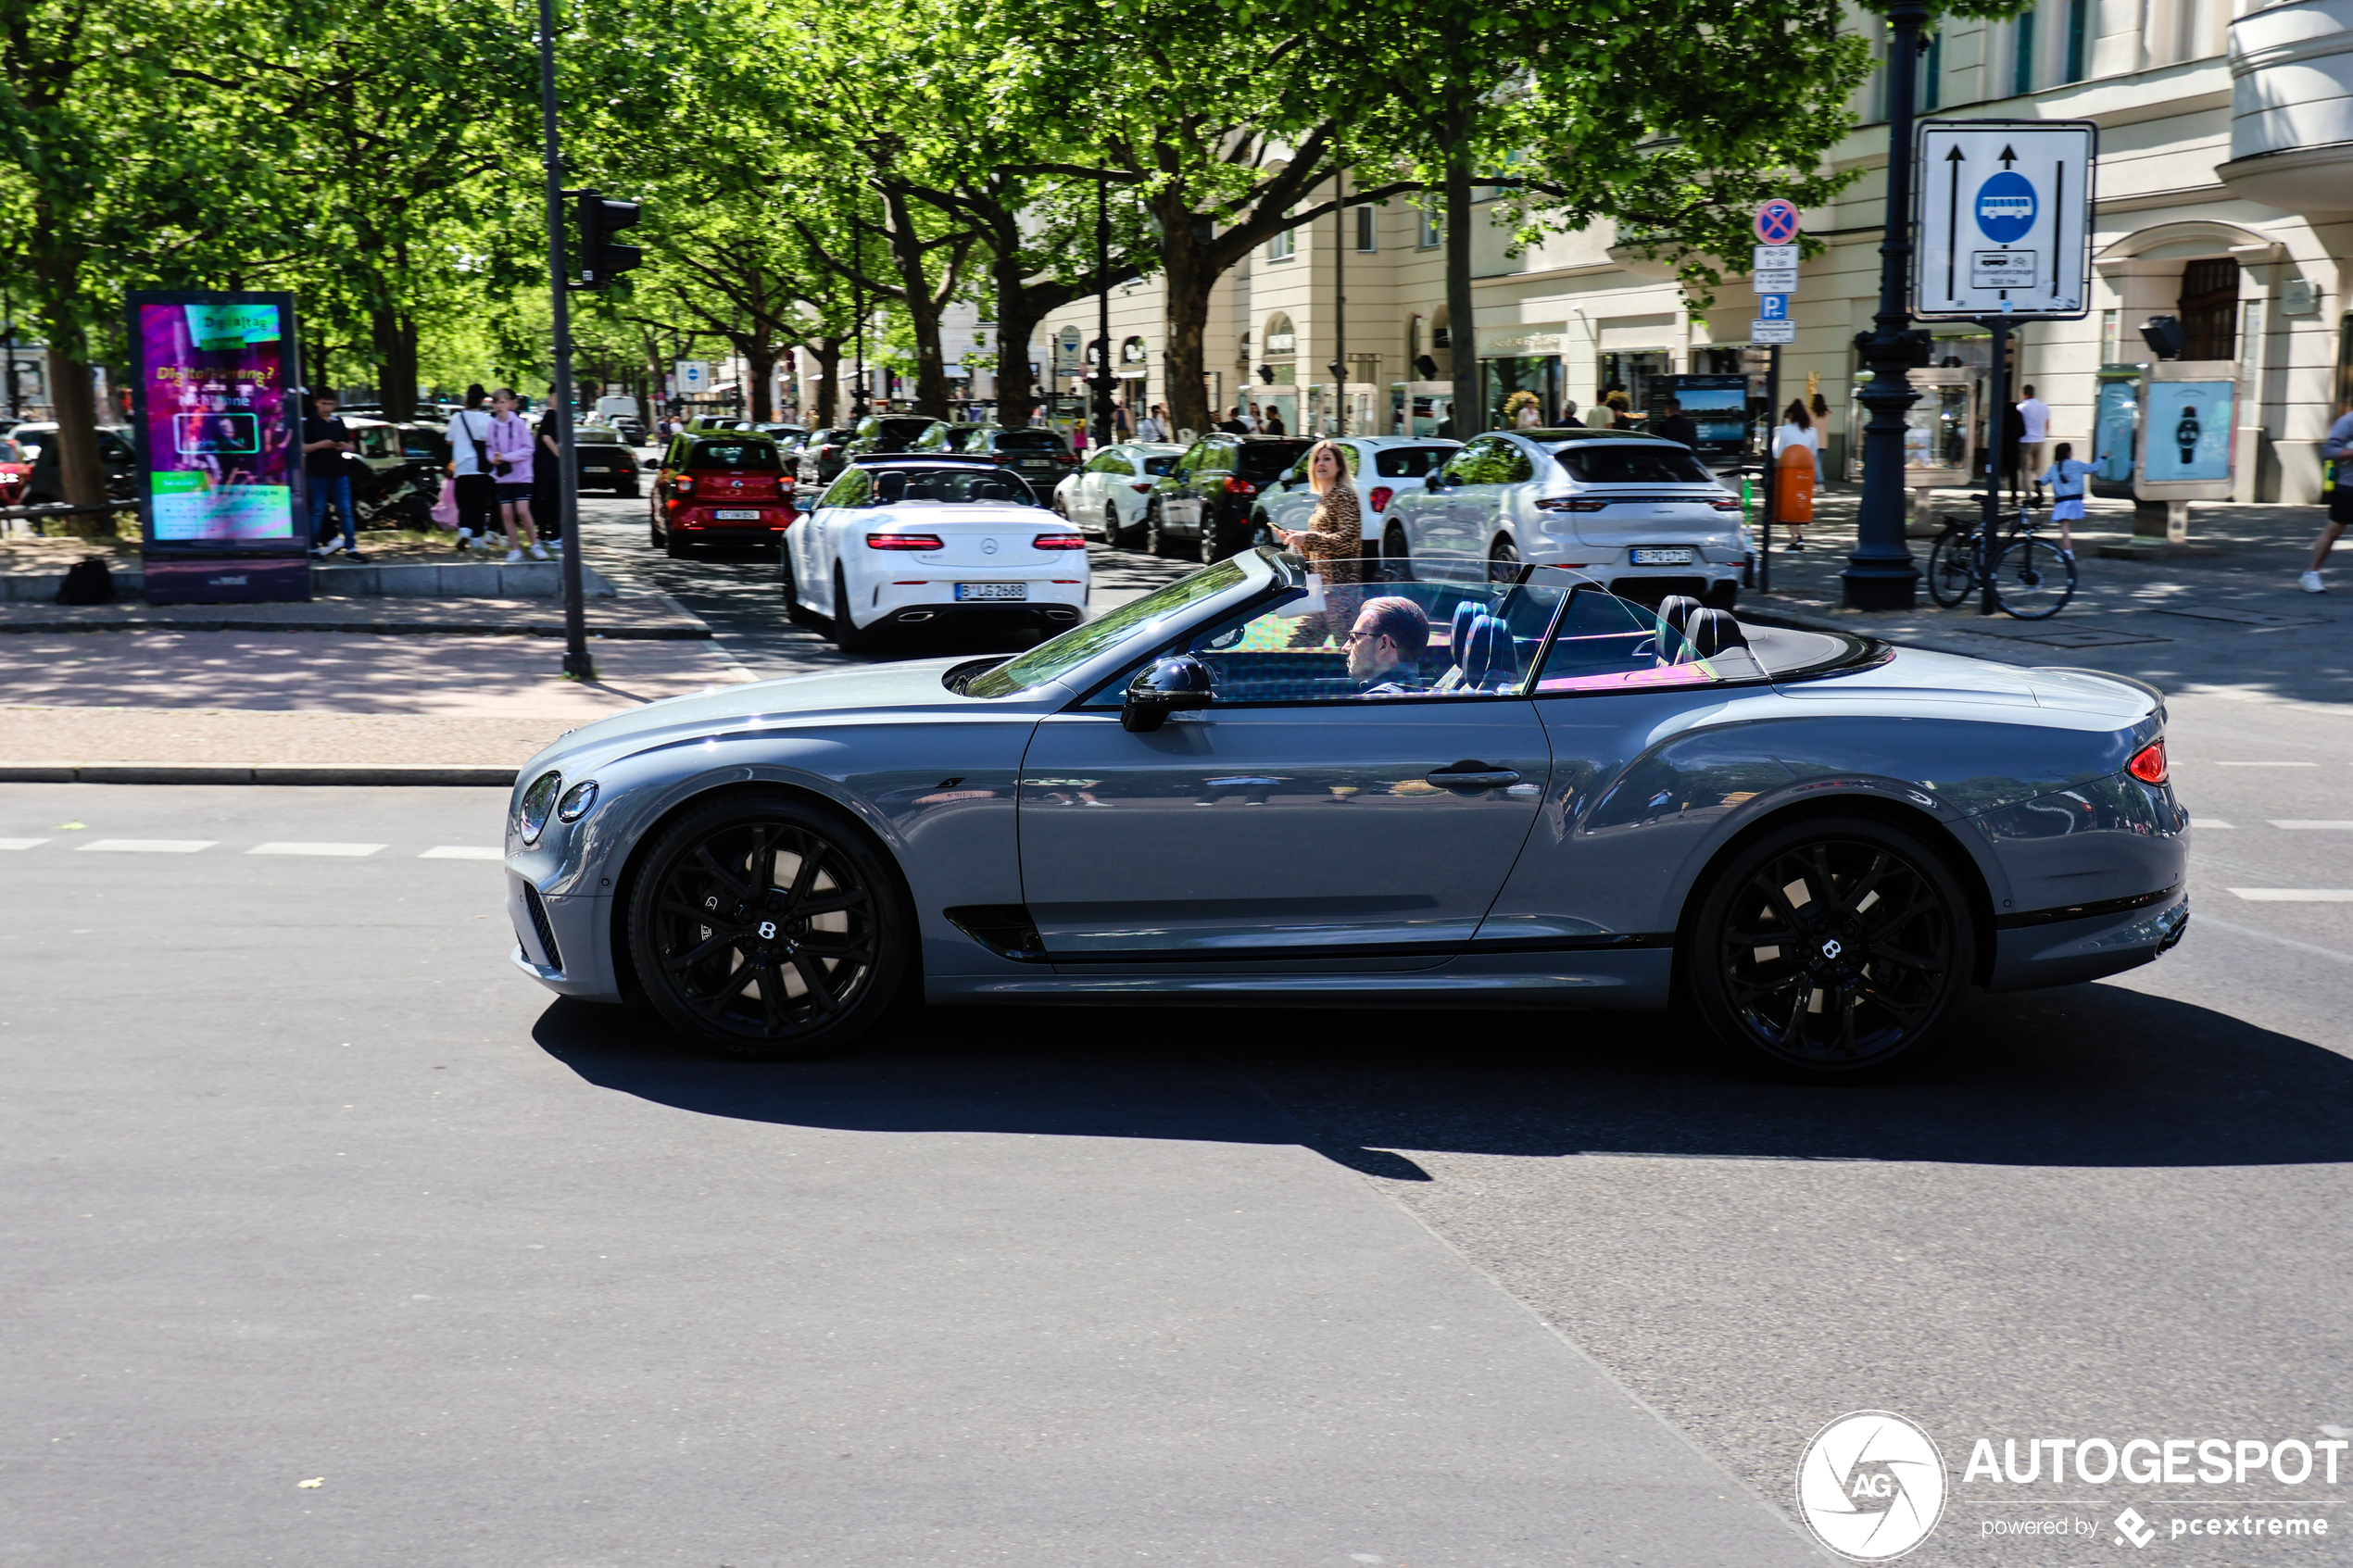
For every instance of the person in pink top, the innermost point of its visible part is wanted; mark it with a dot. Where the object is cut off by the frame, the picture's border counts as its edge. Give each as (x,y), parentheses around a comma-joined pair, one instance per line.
(510,448)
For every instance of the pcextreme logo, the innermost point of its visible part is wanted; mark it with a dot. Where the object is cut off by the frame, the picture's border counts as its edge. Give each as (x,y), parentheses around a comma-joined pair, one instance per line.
(1871,1485)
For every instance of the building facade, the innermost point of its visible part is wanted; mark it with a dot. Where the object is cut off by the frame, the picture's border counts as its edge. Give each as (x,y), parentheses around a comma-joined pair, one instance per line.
(2224,198)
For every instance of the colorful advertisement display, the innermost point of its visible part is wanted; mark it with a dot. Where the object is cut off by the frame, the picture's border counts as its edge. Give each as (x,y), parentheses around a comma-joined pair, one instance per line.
(219,418)
(2187,430)
(2115,422)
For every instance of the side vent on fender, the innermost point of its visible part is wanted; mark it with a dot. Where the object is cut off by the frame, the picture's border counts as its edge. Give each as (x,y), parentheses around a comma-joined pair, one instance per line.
(1005,930)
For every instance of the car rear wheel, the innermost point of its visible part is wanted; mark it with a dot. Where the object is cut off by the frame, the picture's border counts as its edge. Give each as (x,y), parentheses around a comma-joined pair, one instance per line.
(1112,531)
(847,634)
(653,534)
(789,588)
(1503,562)
(674,546)
(1830,947)
(764,927)
(1396,556)
(1158,541)
(1211,546)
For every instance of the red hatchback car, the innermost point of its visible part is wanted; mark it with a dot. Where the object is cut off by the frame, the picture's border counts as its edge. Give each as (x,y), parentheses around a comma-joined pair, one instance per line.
(721,487)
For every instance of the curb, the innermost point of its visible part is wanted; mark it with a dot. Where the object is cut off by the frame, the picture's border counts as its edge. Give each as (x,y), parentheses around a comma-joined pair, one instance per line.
(697,632)
(434,774)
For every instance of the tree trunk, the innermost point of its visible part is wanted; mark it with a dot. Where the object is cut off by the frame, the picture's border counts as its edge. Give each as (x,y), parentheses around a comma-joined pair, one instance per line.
(922,306)
(759,365)
(1190,280)
(1016,324)
(1470,417)
(394,333)
(826,351)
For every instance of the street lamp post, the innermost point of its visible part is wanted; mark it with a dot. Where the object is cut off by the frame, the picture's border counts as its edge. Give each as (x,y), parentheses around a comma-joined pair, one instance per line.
(1880,574)
(1104,378)
(577,663)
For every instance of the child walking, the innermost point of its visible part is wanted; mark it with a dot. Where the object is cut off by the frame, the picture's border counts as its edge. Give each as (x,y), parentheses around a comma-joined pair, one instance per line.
(2066,476)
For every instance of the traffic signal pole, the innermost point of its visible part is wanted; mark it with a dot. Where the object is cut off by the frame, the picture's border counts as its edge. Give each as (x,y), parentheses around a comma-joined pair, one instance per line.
(577,663)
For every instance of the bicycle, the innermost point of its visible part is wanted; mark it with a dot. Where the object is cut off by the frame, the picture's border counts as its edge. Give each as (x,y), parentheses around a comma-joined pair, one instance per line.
(2031,578)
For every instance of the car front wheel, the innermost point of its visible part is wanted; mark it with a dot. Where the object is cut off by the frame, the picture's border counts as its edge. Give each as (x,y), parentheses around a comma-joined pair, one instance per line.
(1503,560)
(1830,947)
(1396,556)
(762,926)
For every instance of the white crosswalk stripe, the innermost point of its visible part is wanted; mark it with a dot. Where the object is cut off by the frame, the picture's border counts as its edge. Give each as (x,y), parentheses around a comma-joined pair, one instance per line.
(2306,825)
(2211,822)
(146,846)
(462,852)
(2296,894)
(352,851)
(21,843)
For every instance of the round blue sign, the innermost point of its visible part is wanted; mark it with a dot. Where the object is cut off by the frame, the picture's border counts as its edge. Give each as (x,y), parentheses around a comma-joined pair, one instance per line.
(2005,208)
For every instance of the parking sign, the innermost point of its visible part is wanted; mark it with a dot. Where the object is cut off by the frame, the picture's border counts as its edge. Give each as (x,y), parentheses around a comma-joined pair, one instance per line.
(2004,218)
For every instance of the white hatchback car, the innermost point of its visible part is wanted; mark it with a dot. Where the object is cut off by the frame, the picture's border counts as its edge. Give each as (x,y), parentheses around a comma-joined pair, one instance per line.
(1384,468)
(1638,514)
(918,540)
(1106,496)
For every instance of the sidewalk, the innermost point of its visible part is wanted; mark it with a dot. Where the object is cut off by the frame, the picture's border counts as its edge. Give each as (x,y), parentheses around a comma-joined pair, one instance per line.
(2233,618)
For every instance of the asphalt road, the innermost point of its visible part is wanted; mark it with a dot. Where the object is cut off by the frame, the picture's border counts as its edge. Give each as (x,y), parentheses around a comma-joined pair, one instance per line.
(303,1182)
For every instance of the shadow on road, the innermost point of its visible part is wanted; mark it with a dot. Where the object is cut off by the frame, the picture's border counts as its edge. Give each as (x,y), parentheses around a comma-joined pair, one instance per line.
(2091,1075)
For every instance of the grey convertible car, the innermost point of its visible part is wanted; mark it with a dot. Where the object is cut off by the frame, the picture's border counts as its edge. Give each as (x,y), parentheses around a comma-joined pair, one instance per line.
(1253,788)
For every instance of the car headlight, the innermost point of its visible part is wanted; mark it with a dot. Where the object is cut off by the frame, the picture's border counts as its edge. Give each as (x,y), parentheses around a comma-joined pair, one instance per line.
(576,801)
(537,801)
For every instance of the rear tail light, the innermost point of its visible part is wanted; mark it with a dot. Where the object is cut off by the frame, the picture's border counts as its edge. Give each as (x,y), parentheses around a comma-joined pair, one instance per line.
(682,485)
(2148,763)
(1382,493)
(1141,489)
(1240,487)
(1564,504)
(905,542)
(1726,505)
(1060,542)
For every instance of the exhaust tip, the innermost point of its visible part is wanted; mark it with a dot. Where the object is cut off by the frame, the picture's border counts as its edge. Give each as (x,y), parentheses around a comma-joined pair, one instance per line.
(908,617)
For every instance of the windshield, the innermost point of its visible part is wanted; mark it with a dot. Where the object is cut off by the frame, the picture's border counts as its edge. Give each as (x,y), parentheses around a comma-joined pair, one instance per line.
(896,486)
(1029,441)
(1051,660)
(746,457)
(1264,459)
(1633,465)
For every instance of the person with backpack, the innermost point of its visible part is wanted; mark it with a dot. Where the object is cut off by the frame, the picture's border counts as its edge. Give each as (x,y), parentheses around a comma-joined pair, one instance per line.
(470,468)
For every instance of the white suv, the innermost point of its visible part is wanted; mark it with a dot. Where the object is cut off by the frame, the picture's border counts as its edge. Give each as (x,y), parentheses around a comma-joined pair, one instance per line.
(1637,513)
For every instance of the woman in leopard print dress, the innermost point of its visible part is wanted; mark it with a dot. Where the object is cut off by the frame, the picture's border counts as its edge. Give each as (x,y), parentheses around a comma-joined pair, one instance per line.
(1333,542)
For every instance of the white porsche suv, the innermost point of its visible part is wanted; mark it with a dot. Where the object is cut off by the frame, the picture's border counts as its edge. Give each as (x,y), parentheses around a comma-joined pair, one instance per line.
(1635,512)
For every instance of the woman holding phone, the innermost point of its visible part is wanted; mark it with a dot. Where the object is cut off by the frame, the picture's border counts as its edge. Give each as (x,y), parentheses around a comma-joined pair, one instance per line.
(509,450)
(1333,542)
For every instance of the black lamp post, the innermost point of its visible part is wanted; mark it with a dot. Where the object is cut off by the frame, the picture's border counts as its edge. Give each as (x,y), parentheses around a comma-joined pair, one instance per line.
(1880,574)
(1104,380)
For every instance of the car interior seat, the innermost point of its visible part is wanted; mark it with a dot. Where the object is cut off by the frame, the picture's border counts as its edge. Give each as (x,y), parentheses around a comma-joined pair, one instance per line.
(1458,642)
(1493,664)
(1713,631)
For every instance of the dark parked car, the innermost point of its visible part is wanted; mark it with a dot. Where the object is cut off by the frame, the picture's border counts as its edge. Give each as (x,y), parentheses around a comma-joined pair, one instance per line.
(822,452)
(1038,454)
(891,433)
(950,437)
(1204,506)
(45,485)
(606,461)
(782,435)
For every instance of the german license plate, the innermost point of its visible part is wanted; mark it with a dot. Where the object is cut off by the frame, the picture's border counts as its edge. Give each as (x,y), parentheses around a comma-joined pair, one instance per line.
(754,517)
(1641,558)
(992,590)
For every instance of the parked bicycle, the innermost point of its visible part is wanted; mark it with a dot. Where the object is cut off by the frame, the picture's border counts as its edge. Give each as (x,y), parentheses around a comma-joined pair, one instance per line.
(2031,578)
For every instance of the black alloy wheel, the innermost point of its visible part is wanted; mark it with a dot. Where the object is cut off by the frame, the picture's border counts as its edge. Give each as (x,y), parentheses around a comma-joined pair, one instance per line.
(1396,555)
(763,926)
(1830,947)
(1503,562)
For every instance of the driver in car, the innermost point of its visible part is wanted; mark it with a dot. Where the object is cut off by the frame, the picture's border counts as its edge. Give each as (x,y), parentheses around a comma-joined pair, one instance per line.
(1385,647)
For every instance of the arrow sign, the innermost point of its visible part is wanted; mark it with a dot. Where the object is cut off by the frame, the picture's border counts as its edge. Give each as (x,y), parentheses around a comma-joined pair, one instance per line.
(2008,157)
(1953,212)
(2004,218)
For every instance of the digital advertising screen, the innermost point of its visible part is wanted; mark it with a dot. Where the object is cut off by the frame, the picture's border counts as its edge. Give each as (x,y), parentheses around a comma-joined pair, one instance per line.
(2114,420)
(221,419)
(2186,430)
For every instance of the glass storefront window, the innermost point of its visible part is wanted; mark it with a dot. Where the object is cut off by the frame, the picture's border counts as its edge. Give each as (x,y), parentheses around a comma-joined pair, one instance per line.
(1539,375)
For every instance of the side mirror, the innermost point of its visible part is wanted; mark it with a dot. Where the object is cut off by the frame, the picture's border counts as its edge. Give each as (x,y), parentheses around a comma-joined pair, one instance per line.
(1178,681)
(1436,479)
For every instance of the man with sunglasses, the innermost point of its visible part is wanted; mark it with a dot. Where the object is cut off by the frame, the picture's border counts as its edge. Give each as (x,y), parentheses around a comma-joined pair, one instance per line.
(1385,647)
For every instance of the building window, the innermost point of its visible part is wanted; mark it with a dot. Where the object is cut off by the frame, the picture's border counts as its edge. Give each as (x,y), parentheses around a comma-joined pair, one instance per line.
(2022,54)
(1427,232)
(1932,73)
(1364,236)
(2079,30)
(2110,344)
(1283,246)
(2209,310)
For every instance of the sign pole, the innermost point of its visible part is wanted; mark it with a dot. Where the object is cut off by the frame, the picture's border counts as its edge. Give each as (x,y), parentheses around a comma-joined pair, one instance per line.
(1997,425)
(1772,472)
(577,663)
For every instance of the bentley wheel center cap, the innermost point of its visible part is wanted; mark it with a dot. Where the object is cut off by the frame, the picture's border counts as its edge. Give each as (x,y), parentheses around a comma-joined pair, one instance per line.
(1831,949)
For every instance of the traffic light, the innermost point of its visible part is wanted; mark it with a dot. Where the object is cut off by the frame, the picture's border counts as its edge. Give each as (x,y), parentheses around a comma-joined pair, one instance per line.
(600,259)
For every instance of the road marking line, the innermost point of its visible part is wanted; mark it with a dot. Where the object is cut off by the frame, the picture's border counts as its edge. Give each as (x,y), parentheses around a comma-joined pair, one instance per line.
(462,852)
(2296,824)
(354,850)
(2211,822)
(2267,764)
(2296,894)
(2207,922)
(21,843)
(146,846)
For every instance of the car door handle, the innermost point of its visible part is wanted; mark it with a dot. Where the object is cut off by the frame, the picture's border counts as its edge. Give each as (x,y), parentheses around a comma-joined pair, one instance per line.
(1473,776)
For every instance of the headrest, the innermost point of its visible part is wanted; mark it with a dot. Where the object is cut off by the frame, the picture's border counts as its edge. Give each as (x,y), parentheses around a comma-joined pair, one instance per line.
(1677,609)
(1465,611)
(1713,631)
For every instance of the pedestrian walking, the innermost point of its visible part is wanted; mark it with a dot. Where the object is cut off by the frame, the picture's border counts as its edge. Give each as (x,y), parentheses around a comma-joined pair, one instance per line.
(1333,542)
(326,439)
(1251,420)
(1232,423)
(1569,415)
(2009,454)
(1797,468)
(2066,477)
(2033,434)
(546,490)
(2337,451)
(469,441)
(1275,425)
(1119,426)
(1676,425)
(1153,427)
(509,449)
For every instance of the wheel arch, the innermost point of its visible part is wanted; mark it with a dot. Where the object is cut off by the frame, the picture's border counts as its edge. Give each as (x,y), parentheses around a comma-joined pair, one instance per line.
(1932,829)
(705,792)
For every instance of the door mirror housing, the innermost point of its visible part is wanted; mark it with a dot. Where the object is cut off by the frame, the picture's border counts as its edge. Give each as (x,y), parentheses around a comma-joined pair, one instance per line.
(1438,479)
(1176,682)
